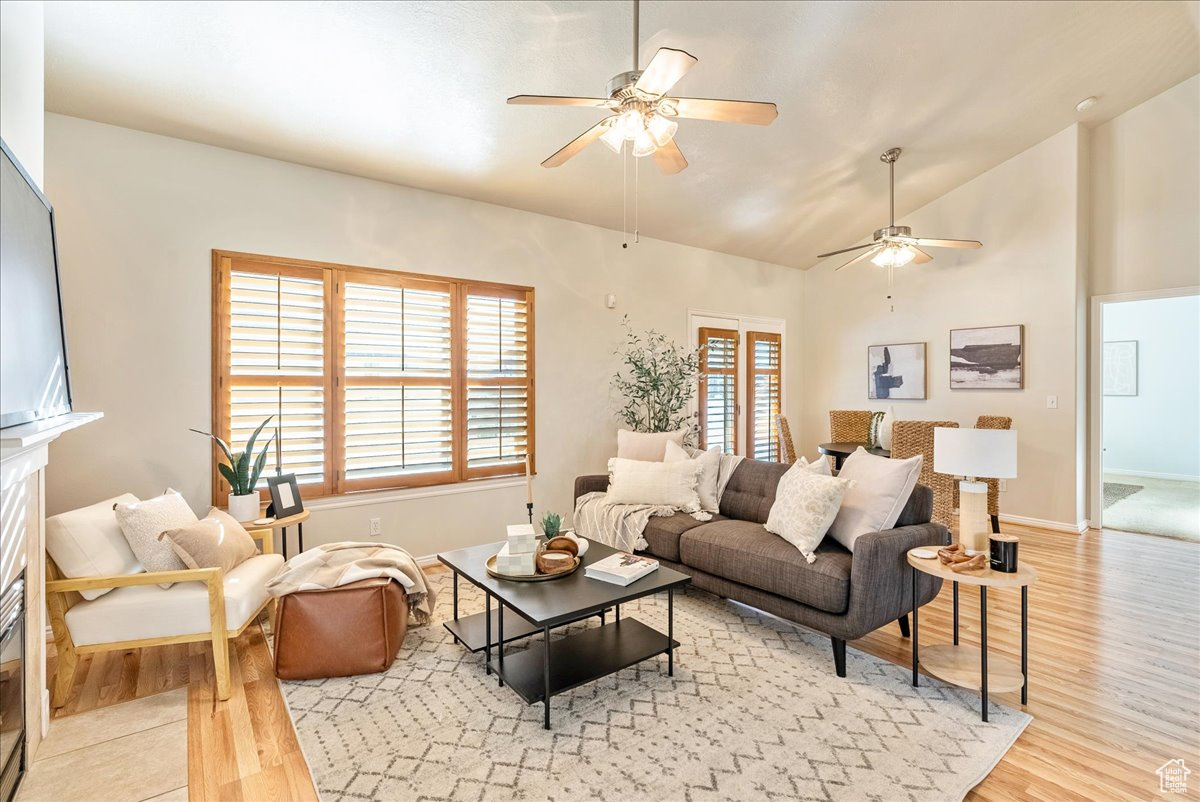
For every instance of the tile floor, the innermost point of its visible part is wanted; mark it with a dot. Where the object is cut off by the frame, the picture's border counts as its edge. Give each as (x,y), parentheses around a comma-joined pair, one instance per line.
(101,754)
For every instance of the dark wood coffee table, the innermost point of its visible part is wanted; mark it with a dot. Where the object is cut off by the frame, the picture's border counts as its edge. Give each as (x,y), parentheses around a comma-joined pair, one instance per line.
(525,608)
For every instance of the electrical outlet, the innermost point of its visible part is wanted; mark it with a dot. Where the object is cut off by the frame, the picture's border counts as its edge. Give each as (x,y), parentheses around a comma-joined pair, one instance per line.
(373,527)
(1003,485)
(1051,402)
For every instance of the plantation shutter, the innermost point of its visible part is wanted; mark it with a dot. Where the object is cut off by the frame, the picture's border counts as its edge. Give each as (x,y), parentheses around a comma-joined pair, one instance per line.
(764,351)
(718,389)
(275,345)
(399,392)
(498,380)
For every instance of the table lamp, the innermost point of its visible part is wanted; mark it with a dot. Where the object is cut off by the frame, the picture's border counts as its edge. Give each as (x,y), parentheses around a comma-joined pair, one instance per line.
(969,453)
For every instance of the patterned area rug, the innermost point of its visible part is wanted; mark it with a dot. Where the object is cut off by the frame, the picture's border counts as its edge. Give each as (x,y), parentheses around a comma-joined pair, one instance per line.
(754,712)
(1115,491)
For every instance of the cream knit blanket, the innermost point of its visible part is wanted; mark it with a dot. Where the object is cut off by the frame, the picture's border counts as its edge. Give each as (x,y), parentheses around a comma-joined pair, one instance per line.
(335,564)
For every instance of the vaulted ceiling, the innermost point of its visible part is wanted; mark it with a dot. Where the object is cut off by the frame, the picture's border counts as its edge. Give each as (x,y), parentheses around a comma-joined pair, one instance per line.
(413,93)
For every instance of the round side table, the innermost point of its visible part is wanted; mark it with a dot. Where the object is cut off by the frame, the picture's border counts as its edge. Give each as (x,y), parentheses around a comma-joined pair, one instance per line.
(966,666)
(282,525)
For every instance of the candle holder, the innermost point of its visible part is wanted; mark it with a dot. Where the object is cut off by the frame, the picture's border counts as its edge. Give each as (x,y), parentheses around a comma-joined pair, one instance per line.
(529,509)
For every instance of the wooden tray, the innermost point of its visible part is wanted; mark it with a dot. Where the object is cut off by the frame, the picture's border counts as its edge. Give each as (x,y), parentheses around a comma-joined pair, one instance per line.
(491,569)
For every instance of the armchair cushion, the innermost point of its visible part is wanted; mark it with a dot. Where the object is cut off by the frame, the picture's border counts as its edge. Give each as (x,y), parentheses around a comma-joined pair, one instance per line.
(88,542)
(143,521)
(148,611)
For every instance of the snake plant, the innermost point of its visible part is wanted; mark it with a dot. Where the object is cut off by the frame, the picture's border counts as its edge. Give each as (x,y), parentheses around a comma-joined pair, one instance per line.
(241,475)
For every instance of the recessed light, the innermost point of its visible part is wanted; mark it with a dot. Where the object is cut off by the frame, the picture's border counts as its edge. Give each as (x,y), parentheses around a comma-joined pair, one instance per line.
(1086,103)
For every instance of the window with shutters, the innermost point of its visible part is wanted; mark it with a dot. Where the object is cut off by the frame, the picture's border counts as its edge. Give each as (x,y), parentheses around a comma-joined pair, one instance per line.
(376,379)
(763,392)
(718,389)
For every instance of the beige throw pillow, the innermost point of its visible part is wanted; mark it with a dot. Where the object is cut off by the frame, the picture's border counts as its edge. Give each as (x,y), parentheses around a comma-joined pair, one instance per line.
(710,468)
(667,484)
(874,504)
(215,541)
(143,521)
(646,446)
(806,502)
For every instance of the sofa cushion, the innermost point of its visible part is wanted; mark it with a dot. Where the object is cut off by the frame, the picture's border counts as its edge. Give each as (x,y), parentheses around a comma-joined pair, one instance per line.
(148,611)
(662,534)
(751,490)
(747,553)
(646,446)
(88,542)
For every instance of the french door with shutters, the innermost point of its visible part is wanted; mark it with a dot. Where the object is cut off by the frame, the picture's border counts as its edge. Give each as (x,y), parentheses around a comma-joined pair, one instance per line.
(741,383)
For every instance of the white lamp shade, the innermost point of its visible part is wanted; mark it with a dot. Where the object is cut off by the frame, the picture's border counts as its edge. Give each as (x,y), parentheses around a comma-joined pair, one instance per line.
(990,453)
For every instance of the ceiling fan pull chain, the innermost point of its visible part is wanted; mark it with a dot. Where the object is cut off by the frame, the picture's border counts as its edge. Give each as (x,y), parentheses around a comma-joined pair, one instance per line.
(636,234)
(624,197)
(891,281)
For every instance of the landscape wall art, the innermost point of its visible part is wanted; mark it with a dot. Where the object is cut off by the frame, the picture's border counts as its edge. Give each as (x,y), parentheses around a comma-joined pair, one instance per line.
(896,371)
(987,358)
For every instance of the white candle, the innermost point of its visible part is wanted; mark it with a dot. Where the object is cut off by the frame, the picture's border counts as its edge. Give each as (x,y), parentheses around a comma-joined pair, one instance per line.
(528,481)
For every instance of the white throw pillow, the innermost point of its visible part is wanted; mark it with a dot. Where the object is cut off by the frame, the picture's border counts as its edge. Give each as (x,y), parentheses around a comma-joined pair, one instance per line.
(143,521)
(710,468)
(821,467)
(671,484)
(805,505)
(646,446)
(875,502)
(88,542)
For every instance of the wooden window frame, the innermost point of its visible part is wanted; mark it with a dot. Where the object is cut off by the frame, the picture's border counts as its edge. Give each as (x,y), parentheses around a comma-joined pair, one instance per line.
(752,373)
(335,381)
(732,334)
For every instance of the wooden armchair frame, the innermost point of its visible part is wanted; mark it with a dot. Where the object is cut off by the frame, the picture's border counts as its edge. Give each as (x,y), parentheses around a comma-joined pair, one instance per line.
(63,594)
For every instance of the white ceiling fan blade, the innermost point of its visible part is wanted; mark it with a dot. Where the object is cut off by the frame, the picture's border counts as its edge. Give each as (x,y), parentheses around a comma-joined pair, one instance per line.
(558,100)
(949,243)
(920,257)
(861,257)
(747,112)
(669,158)
(577,144)
(663,71)
(847,250)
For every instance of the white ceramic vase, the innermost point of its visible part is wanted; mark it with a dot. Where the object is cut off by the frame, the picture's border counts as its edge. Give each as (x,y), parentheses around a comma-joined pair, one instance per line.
(885,429)
(244,508)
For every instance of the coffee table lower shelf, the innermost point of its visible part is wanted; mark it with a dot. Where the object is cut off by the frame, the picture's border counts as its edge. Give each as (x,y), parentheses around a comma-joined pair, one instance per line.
(471,630)
(580,658)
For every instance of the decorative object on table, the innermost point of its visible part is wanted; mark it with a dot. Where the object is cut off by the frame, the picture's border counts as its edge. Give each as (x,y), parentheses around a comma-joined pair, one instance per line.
(1120,367)
(656,381)
(563,543)
(551,524)
(581,543)
(896,371)
(970,453)
(532,574)
(912,437)
(555,562)
(142,521)
(849,425)
(873,430)
(987,358)
(510,562)
(285,495)
(924,554)
(991,422)
(621,568)
(1003,553)
(885,428)
(242,471)
(787,450)
(957,558)
(522,539)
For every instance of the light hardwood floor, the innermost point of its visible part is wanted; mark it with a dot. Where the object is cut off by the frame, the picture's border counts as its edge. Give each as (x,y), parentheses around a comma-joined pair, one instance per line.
(1114,678)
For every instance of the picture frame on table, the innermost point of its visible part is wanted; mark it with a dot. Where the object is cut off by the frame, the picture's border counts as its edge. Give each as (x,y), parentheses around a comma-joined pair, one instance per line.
(285,495)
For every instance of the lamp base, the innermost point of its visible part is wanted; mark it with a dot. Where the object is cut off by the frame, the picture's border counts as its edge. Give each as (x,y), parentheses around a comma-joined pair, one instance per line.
(972,517)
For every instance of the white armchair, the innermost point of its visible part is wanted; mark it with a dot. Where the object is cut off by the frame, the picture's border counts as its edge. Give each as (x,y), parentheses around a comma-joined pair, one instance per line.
(101,600)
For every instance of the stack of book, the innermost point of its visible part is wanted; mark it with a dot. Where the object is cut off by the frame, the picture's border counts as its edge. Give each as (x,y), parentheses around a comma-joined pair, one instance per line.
(621,568)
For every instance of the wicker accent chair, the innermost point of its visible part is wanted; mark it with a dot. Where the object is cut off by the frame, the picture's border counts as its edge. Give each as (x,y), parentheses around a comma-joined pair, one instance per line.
(787,449)
(913,437)
(849,425)
(991,422)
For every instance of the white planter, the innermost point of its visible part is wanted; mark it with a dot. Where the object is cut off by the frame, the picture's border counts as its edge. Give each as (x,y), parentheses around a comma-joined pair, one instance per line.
(244,508)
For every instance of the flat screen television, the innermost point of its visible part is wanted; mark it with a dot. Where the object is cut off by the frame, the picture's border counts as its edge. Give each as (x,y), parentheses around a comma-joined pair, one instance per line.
(34,383)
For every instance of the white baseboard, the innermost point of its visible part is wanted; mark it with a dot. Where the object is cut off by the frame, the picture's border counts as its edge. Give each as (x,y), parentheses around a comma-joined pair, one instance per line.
(1041,523)
(1180,477)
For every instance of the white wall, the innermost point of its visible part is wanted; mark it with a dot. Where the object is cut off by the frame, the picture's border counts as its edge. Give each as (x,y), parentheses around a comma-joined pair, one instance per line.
(1156,432)
(1146,195)
(1025,211)
(22,82)
(138,215)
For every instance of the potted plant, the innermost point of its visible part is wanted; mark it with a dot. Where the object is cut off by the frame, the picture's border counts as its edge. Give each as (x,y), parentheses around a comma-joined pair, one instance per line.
(658,378)
(241,474)
(551,524)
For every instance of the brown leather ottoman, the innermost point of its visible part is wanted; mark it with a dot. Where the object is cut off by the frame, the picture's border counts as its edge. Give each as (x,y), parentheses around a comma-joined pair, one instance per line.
(339,632)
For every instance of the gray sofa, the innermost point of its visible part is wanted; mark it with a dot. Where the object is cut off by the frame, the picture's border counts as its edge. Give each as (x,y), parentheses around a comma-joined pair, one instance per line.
(843,595)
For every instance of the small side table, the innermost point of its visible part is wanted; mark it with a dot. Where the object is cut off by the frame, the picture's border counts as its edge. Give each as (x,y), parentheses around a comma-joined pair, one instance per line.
(282,525)
(966,666)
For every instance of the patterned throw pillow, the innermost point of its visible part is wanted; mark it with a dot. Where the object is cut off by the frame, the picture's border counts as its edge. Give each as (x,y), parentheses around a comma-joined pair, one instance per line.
(143,521)
(805,505)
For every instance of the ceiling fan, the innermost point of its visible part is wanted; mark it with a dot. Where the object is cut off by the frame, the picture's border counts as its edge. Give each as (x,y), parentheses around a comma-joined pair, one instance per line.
(895,245)
(643,115)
